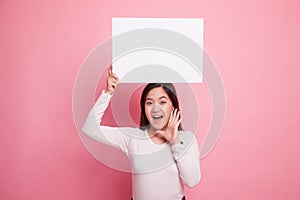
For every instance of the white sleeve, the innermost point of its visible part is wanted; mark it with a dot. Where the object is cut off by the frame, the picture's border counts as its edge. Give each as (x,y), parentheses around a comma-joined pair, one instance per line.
(113,136)
(187,158)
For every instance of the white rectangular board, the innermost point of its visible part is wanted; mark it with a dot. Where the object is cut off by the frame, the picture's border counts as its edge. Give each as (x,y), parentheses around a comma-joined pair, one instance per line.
(136,61)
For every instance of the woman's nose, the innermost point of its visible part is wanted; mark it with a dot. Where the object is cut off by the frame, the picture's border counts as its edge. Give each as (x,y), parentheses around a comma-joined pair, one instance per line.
(155,108)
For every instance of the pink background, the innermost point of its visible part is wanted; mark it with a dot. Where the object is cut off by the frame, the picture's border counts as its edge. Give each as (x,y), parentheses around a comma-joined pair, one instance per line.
(255,45)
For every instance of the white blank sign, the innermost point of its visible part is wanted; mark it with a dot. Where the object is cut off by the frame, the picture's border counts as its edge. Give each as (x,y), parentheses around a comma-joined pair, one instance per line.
(161,62)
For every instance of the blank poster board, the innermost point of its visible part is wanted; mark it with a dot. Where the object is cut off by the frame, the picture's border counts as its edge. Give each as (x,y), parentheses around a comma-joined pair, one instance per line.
(157,49)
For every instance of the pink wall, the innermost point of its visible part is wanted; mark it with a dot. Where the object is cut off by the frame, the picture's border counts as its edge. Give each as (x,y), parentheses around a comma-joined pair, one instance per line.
(255,45)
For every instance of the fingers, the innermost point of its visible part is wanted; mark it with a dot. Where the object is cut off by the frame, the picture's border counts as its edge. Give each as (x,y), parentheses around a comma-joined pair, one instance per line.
(115,76)
(171,117)
(178,122)
(174,119)
(111,74)
(112,80)
(177,114)
(112,83)
(159,132)
(110,70)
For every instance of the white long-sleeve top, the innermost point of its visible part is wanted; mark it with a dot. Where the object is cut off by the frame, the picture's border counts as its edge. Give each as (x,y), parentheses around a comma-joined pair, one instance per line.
(160,171)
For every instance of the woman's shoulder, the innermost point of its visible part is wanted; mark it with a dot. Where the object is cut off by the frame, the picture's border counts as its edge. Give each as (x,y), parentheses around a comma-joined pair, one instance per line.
(133,132)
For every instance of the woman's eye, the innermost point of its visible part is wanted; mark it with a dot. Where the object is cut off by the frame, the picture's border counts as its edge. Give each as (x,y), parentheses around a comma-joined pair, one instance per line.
(148,103)
(163,102)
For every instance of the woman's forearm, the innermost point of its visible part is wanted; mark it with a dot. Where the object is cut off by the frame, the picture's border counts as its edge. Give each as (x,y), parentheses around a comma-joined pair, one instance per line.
(187,156)
(91,125)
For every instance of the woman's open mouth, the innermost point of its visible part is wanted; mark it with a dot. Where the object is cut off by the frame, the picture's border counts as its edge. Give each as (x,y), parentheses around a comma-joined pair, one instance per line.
(157,119)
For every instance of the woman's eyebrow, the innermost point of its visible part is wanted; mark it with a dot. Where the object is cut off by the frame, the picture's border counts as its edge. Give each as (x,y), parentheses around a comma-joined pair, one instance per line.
(148,98)
(163,97)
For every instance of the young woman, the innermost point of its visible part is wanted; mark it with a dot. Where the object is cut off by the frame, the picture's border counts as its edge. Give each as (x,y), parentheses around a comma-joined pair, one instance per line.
(164,158)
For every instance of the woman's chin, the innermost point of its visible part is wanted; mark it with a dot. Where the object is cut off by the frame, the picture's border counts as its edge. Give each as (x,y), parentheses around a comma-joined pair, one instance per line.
(157,127)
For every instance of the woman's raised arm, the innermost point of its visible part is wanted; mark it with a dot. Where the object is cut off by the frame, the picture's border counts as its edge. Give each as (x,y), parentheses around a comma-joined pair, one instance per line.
(114,136)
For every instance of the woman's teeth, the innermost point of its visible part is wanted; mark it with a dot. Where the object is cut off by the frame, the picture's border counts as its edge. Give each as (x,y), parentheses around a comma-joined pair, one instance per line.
(157,117)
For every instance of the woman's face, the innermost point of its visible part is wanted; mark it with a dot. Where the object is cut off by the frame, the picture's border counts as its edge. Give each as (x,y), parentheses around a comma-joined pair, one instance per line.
(158,108)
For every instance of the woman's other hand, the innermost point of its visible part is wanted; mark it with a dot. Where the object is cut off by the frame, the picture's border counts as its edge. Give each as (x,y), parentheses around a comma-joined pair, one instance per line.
(112,81)
(171,131)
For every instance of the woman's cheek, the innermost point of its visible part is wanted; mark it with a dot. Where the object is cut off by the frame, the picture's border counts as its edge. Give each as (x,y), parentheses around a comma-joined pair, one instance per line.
(168,113)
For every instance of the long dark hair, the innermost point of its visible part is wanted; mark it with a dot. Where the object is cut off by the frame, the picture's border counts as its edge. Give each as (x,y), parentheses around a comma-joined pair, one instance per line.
(171,92)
